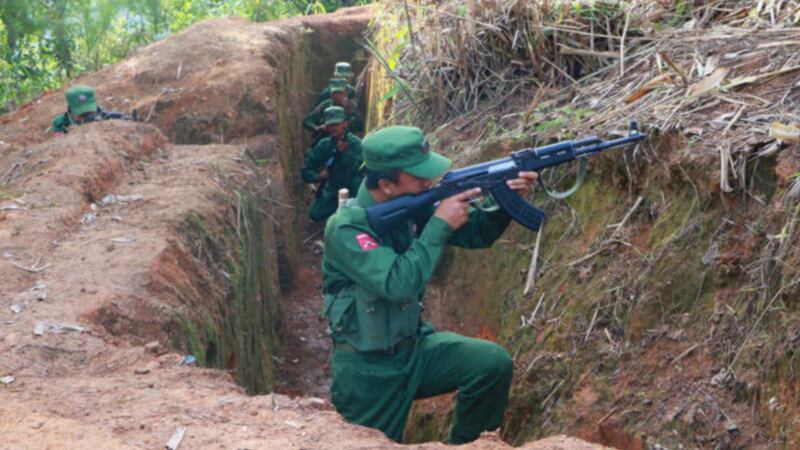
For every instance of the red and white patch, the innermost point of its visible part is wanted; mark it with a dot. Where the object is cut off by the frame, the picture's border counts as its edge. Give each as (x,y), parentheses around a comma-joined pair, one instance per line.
(366,242)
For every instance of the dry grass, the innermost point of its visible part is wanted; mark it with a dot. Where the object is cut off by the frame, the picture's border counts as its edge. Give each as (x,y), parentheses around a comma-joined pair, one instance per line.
(722,71)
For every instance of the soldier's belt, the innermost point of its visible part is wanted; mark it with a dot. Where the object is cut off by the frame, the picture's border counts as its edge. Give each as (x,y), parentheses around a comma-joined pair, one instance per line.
(405,344)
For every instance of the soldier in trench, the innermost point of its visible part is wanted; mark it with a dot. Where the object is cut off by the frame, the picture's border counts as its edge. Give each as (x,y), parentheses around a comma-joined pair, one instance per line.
(334,163)
(82,108)
(344,71)
(314,121)
(384,356)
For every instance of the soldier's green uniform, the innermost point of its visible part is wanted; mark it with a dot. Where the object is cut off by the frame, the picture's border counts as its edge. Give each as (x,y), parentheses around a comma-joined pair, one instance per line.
(344,71)
(62,122)
(80,100)
(326,94)
(344,168)
(384,357)
(316,118)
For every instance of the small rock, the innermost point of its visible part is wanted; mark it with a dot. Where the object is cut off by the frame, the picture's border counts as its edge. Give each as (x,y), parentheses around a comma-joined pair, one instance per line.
(152,347)
(311,402)
(40,328)
(41,291)
(109,199)
(294,424)
(731,426)
(124,240)
(295,361)
(88,218)
(8,379)
(147,368)
(16,308)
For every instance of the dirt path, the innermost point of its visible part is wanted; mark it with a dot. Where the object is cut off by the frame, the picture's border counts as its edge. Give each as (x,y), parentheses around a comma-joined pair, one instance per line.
(305,346)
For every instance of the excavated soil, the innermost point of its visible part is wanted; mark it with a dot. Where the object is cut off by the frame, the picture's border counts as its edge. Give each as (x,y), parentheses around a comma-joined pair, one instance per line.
(101,296)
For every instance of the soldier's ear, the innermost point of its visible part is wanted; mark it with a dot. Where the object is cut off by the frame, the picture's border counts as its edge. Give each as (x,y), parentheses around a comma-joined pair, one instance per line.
(386,186)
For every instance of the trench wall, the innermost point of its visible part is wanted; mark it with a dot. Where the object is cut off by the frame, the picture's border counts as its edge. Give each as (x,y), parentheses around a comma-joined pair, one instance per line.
(263,249)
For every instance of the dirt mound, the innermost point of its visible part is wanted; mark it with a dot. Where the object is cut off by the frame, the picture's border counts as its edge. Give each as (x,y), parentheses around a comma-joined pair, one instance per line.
(214,82)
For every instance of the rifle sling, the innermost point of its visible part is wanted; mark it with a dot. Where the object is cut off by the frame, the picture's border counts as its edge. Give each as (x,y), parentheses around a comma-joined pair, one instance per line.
(582,163)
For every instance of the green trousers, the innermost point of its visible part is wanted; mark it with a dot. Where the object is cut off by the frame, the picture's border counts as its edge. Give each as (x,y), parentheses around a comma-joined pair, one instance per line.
(323,207)
(377,390)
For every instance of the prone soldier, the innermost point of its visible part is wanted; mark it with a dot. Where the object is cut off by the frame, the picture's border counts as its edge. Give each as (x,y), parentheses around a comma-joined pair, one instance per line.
(82,108)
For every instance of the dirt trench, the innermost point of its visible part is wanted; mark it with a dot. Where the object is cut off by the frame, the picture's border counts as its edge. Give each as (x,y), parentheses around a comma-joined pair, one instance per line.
(127,247)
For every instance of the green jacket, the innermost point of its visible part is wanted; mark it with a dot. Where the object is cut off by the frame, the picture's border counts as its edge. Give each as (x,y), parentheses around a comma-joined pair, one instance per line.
(374,284)
(326,94)
(62,122)
(315,117)
(344,171)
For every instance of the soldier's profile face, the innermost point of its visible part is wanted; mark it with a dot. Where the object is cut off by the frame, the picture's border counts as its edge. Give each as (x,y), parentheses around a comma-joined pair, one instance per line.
(409,184)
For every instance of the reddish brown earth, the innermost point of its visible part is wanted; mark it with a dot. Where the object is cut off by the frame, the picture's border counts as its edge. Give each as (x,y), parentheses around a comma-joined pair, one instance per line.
(119,276)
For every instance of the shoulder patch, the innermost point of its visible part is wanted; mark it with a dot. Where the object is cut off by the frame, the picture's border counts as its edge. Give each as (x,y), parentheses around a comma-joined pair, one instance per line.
(366,242)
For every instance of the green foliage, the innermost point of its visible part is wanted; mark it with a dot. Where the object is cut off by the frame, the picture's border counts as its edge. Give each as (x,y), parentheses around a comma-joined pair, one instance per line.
(45,43)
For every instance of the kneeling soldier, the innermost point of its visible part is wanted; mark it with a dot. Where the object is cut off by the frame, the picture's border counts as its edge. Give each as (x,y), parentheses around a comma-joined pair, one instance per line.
(384,356)
(334,162)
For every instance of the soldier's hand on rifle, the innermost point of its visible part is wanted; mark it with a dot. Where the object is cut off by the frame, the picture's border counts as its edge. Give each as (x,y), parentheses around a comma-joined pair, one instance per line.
(323,175)
(524,183)
(455,210)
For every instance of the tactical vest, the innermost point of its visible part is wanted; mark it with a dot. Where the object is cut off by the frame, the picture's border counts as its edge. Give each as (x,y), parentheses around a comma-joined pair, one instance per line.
(361,319)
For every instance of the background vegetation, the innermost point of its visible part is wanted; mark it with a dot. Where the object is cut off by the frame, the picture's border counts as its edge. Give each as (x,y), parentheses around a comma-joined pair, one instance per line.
(44,43)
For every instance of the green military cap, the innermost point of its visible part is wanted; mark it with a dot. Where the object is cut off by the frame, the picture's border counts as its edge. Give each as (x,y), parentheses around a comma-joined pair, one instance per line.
(404,148)
(81,100)
(337,85)
(333,115)
(342,70)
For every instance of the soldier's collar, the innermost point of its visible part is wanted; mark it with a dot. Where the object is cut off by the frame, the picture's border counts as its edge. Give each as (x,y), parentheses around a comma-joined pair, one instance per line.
(364,198)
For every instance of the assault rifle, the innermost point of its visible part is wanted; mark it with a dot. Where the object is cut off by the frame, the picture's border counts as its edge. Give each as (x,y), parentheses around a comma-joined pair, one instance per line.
(492,176)
(111,115)
(101,115)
